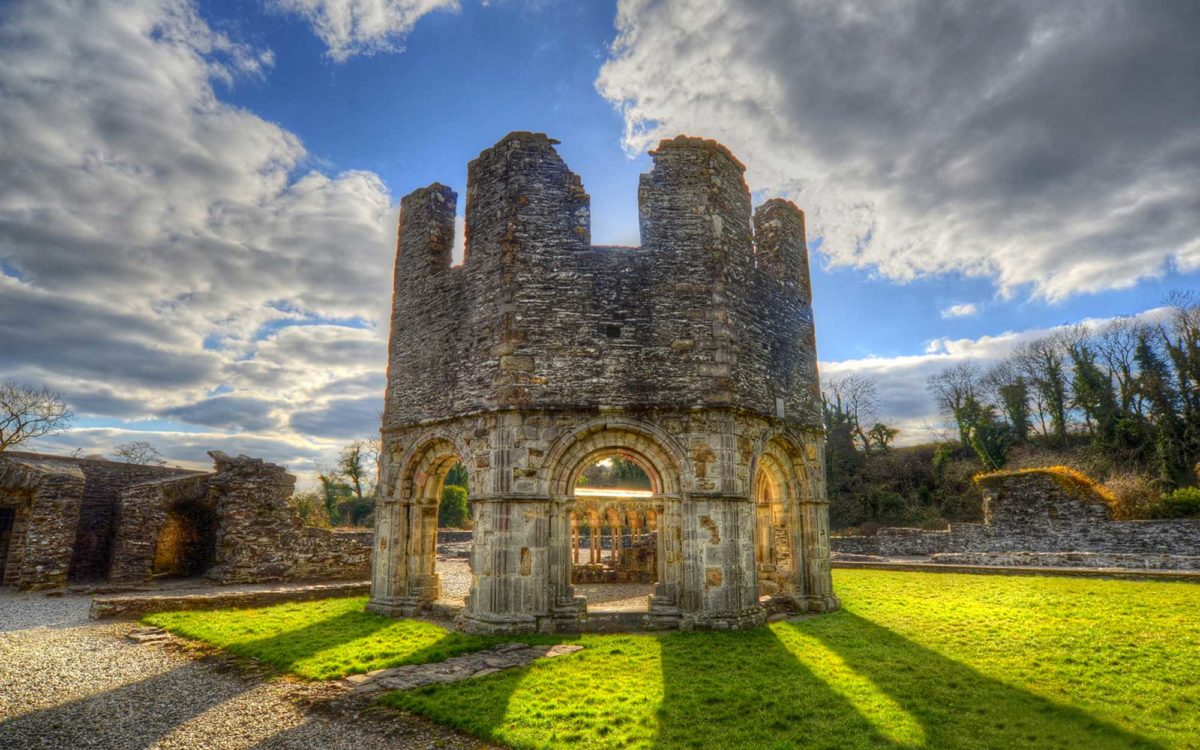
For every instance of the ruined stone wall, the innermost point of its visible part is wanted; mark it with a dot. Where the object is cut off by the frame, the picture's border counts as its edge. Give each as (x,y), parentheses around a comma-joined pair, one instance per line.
(46,496)
(258,537)
(712,310)
(1039,512)
(103,482)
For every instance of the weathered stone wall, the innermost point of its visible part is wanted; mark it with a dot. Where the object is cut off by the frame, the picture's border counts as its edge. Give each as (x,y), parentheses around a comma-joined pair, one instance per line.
(103,482)
(1039,512)
(258,536)
(710,311)
(67,507)
(46,496)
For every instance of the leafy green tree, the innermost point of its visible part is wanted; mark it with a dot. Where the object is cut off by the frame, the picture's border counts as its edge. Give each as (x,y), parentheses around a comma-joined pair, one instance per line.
(453,511)
(333,493)
(987,436)
(881,436)
(1154,384)
(457,476)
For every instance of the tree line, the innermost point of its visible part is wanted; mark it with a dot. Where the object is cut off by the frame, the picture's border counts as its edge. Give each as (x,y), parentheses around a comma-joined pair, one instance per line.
(1121,400)
(1131,389)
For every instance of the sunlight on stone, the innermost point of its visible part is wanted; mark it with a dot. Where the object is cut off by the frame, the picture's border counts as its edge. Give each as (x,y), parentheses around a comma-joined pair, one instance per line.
(597,492)
(886,715)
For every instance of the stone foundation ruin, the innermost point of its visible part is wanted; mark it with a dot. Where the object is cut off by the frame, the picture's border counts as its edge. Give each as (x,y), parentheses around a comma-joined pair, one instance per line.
(66,520)
(1042,518)
(692,356)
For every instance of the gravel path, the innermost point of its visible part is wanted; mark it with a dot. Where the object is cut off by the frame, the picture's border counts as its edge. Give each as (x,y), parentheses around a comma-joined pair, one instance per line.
(68,682)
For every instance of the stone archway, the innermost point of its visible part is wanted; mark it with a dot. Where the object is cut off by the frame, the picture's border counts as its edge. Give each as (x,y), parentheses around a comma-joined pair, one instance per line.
(777,492)
(187,540)
(663,461)
(405,574)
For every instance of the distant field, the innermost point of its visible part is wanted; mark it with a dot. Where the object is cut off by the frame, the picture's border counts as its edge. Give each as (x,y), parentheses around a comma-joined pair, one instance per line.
(914,660)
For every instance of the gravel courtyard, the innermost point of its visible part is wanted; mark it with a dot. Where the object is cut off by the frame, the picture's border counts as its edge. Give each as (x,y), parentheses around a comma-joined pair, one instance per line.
(69,682)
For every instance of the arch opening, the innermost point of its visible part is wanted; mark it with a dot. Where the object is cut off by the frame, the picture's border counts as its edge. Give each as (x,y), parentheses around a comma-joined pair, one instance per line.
(615,486)
(435,484)
(774,492)
(187,541)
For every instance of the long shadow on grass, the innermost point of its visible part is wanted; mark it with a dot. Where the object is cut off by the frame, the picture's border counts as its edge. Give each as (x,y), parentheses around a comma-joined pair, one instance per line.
(956,706)
(747,690)
(371,645)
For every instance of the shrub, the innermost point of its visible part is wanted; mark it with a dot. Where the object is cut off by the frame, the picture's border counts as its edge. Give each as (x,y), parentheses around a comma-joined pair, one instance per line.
(1134,495)
(454,512)
(310,506)
(1182,503)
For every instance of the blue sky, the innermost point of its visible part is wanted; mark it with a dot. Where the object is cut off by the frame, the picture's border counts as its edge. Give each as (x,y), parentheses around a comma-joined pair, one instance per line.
(199,198)
(465,78)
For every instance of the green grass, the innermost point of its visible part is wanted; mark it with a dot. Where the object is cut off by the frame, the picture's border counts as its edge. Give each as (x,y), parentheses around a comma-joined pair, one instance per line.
(323,639)
(914,660)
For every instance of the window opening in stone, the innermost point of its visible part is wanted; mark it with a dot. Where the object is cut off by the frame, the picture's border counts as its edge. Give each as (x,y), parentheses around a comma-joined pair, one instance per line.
(8,517)
(614,536)
(187,543)
(453,552)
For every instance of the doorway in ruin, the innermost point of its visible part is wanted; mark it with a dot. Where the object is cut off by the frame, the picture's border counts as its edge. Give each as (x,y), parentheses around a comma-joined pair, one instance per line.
(8,517)
(187,542)
(614,535)
(772,524)
(452,551)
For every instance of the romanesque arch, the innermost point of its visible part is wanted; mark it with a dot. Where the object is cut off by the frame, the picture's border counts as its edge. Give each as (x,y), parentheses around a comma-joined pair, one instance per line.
(406,523)
(663,460)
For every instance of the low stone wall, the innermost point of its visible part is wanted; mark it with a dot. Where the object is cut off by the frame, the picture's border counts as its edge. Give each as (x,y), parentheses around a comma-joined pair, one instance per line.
(1069,560)
(1042,512)
(321,553)
(135,605)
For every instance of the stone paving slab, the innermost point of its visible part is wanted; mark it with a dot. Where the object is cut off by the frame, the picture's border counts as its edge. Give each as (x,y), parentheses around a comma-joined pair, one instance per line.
(464,667)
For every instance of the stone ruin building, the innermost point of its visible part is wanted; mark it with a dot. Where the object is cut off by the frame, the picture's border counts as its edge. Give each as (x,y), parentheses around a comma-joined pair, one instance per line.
(76,520)
(1038,518)
(693,356)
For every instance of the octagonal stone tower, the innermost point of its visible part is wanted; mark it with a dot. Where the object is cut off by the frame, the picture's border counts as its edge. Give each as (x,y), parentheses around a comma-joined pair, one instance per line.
(692,355)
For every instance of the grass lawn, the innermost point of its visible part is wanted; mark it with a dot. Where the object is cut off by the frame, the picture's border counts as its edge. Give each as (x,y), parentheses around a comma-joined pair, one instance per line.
(914,660)
(324,639)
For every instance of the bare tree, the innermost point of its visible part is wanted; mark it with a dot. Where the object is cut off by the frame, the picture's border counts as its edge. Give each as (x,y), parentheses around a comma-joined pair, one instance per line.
(953,389)
(139,452)
(856,395)
(352,465)
(1043,363)
(1115,344)
(27,413)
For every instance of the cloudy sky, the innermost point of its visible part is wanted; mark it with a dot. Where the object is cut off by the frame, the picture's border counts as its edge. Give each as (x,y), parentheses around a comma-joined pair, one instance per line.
(197,199)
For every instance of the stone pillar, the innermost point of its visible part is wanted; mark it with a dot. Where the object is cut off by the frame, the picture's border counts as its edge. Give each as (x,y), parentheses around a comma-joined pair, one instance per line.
(514,573)
(720,583)
(390,568)
(816,579)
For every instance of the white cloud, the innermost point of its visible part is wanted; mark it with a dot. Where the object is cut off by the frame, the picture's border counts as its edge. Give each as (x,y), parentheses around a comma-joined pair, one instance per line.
(355,27)
(164,255)
(1045,144)
(964,310)
(900,380)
